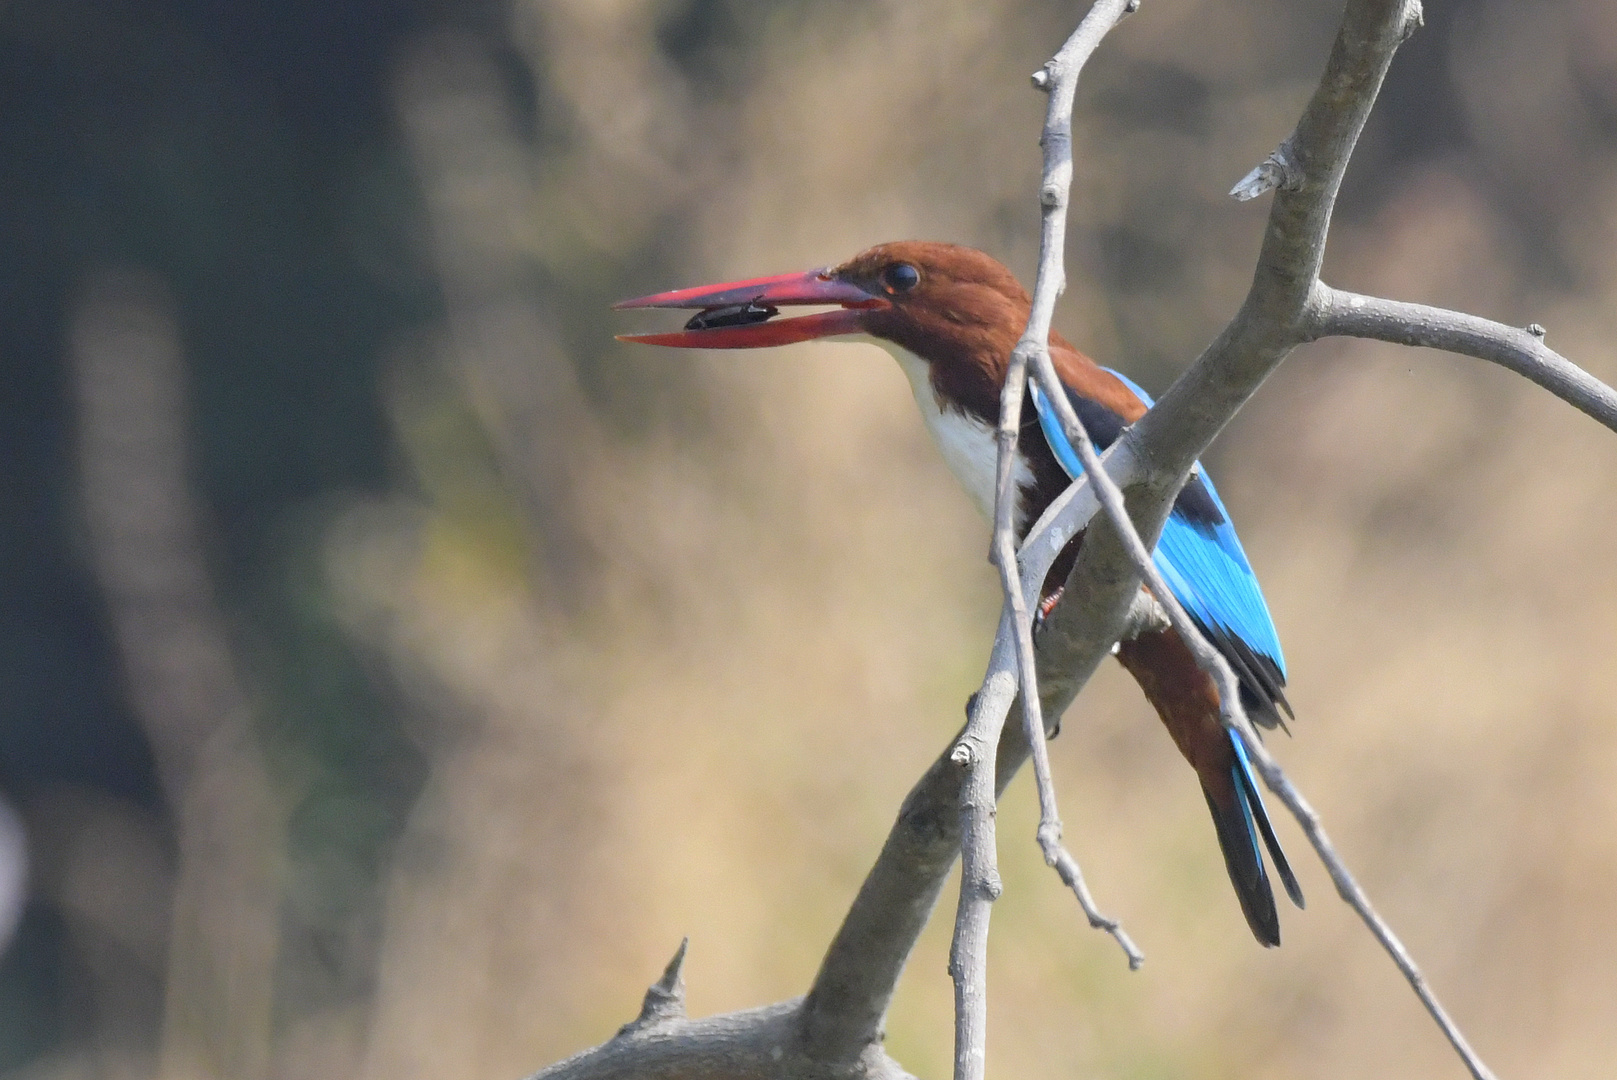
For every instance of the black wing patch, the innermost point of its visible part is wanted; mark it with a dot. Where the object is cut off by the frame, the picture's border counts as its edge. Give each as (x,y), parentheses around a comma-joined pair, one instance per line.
(1103,425)
(1263,693)
(1196,505)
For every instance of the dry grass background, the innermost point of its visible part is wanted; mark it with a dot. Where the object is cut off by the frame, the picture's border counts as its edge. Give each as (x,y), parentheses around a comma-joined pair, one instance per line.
(677,631)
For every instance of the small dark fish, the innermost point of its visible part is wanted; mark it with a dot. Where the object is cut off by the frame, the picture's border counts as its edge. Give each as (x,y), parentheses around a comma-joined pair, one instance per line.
(732,315)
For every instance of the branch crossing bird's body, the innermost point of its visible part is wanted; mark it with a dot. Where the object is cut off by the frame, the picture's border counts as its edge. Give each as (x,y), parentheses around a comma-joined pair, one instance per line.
(950,316)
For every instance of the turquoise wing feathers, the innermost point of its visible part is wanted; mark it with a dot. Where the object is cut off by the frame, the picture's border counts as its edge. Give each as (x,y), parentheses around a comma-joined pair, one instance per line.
(1199,555)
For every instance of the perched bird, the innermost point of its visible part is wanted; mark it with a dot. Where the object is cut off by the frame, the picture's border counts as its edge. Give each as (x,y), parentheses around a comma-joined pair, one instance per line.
(950,316)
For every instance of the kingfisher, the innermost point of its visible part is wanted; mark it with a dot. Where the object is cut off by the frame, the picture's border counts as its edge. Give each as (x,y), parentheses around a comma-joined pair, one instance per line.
(950,316)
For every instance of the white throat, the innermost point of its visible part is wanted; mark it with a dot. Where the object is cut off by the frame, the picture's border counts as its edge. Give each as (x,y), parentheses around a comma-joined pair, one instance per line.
(967,444)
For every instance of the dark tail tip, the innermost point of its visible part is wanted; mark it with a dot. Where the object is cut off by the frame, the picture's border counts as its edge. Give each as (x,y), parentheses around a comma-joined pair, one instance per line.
(1261,815)
(1245,865)
(1247,792)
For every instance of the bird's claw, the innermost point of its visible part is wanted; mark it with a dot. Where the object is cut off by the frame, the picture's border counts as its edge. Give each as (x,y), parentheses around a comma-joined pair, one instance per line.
(1042,612)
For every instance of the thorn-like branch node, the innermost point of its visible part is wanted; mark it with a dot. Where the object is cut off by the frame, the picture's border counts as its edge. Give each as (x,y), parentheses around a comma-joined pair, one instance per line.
(1146,616)
(1537,330)
(990,887)
(1041,79)
(1279,170)
(665,998)
(1414,19)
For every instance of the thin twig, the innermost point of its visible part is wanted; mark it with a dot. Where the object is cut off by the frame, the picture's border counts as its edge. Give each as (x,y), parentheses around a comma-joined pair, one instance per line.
(1346,887)
(979,885)
(979,865)
(1059,78)
(1519,349)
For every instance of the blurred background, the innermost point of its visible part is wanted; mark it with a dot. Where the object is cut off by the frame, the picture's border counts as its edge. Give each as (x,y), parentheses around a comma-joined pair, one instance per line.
(393,666)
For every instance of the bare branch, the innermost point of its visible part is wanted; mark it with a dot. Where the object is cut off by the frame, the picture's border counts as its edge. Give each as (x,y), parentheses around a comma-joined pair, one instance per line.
(1336,313)
(1060,80)
(1286,306)
(746,1045)
(1295,242)
(1152,459)
(979,872)
(844,1009)
(1346,886)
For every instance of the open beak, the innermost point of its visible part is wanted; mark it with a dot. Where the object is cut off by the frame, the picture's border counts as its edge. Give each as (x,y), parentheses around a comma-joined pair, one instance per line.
(741,314)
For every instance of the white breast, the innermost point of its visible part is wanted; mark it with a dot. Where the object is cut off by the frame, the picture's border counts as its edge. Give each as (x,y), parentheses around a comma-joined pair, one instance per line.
(967,444)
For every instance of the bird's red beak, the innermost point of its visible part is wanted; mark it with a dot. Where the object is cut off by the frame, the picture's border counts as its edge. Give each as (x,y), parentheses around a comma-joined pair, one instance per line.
(741,314)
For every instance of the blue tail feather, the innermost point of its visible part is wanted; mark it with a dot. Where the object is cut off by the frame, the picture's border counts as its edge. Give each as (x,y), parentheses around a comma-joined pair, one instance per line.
(1252,799)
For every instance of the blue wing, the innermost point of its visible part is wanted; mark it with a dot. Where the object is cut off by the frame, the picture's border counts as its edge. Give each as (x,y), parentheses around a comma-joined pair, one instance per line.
(1201,559)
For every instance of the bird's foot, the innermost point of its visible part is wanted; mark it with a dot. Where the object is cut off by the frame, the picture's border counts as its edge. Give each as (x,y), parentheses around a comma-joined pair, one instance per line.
(1047,605)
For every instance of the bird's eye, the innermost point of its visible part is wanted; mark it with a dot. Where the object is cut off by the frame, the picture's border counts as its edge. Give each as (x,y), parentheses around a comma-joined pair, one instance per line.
(900,277)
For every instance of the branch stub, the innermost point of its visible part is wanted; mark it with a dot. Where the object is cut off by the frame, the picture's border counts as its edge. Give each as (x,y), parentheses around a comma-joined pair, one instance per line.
(1279,170)
(1414,18)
